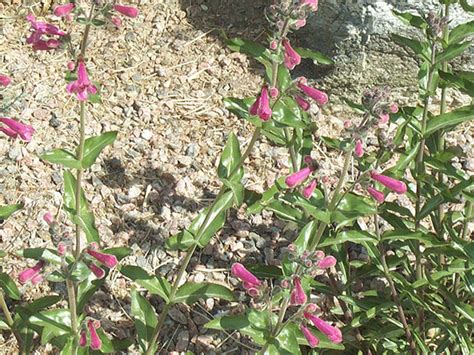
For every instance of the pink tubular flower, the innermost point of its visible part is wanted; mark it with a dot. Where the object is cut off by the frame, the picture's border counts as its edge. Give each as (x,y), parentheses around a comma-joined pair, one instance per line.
(320,97)
(359,149)
(333,333)
(63,10)
(347,124)
(261,107)
(117,21)
(71,66)
(312,339)
(126,10)
(274,93)
(393,108)
(384,118)
(273,45)
(30,273)
(105,259)
(61,248)
(292,59)
(82,87)
(313,4)
(4,80)
(83,339)
(14,128)
(299,23)
(308,190)
(376,194)
(248,279)
(96,343)
(327,262)
(298,177)
(42,28)
(304,104)
(36,279)
(393,184)
(97,271)
(298,296)
(48,218)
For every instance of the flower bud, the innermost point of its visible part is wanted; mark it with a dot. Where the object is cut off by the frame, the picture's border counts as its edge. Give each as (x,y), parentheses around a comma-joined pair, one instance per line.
(63,10)
(327,262)
(126,10)
(359,149)
(291,58)
(376,194)
(393,184)
(312,339)
(333,333)
(298,296)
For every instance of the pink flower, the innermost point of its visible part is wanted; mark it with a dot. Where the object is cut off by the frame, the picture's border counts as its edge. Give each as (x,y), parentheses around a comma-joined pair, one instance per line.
(393,108)
(299,23)
(298,296)
(48,218)
(82,86)
(320,97)
(61,248)
(126,10)
(117,21)
(261,107)
(311,308)
(312,4)
(96,343)
(384,118)
(393,184)
(304,104)
(63,10)
(273,45)
(14,128)
(36,279)
(248,279)
(347,124)
(292,59)
(298,177)
(308,190)
(39,30)
(71,66)
(30,273)
(376,194)
(4,80)
(105,259)
(327,262)
(83,339)
(312,339)
(97,271)
(359,149)
(333,333)
(274,93)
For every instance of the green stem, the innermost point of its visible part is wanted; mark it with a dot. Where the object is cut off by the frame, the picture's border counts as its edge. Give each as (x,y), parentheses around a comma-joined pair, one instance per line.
(420,160)
(393,290)
(442,109)
(190,252)
(319,233)
(79,157)
(9,320)
(71,292)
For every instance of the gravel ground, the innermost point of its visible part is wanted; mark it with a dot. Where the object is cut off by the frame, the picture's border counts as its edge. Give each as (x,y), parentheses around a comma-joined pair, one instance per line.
(163,79)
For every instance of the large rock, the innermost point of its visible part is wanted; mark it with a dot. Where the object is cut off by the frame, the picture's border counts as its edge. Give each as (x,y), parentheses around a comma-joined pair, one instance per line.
(356,34)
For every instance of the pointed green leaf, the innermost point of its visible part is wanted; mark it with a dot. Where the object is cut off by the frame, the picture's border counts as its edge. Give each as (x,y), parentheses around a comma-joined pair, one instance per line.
(417,47)
(94,145)
(230,160)
(145,320)
(315,56)
(251,48)
(411,19)
(7,211)
(449,120)
(62,157)
(452,51)
(461,31)
(191,292)
(305,237)
(9,286)
(156,285)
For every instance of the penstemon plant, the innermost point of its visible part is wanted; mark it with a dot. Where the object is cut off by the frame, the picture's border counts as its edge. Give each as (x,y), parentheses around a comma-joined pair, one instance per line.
(78,262)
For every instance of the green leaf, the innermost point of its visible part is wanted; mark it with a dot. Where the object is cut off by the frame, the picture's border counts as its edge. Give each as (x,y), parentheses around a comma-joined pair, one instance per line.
(7,211)
(62,157)
(119,252)
(285,211)
(315,56)
(305,237)
(417,47)
(287,113)
(287,342)
(457,81)
(353,236)
(230,160)
(413,20)
(426,239)
(9,286)
(48,255)
(452,51)
(238,191)
(466,7)
(156,285)
(58,321)
(265,271)
(94,145)
(251,48)
(85,219)
(449,120)
(461,31)
(181,241)
(191,292)
(145,320)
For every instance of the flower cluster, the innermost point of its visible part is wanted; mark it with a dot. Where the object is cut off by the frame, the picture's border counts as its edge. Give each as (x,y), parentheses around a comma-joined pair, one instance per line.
(302,175)
(90,331)
(82,87)
(44,36)
(394,185)
(249,281)
(333,333)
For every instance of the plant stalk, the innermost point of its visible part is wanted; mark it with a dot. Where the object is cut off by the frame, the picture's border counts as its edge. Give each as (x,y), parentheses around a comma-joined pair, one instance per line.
(319,233)
(79,157)
(9,320)
(393,290)
(71,292)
